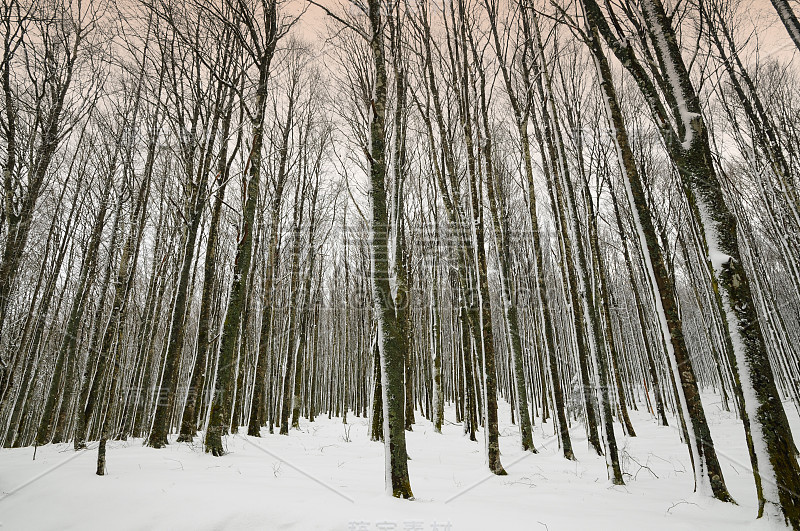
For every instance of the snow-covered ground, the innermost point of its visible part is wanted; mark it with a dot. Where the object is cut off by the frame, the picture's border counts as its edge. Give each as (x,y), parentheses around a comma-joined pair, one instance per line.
(330,476)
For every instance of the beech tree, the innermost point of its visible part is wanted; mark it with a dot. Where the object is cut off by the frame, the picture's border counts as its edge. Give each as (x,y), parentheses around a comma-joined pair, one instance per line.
(687,142)
(257,29)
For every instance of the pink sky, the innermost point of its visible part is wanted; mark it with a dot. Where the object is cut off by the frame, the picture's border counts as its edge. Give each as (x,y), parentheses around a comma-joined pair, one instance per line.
(772,35)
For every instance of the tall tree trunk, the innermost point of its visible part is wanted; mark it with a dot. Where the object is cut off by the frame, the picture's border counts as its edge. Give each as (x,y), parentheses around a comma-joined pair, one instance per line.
(392,357)
(706,465)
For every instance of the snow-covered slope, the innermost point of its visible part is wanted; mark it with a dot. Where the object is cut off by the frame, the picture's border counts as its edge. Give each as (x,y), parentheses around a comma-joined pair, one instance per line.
(330,476)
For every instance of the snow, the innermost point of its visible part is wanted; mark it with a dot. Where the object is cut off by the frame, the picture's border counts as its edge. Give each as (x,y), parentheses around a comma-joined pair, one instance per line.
(316,479)
(765,468)
(716,256)
(718,259)
(672,77)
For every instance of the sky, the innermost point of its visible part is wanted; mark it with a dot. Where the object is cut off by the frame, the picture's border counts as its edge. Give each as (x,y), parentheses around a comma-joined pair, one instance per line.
(774,39)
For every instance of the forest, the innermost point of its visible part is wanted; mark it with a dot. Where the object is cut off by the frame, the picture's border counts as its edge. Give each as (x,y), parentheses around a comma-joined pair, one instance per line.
(473,229)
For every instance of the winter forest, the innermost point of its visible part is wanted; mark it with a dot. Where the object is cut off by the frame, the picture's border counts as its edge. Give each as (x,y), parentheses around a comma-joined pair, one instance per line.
(399,264)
